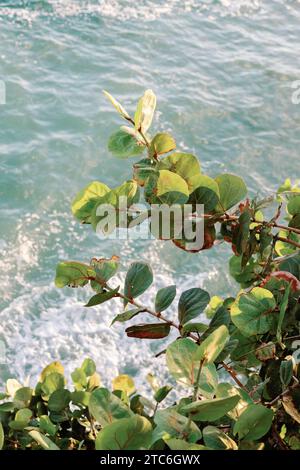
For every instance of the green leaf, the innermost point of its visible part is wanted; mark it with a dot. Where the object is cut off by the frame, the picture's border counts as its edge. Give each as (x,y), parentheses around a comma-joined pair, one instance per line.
(124,383)
(138,278)
(232,190)
(73,274)
(102,297)
(55,366)
(241,236)
(145,111)
(148,331)
(180,444)
(7,407)
(192,302)
(86,199)
(194,327)
(212,346)
(172,424)
(59,400)
(282,311)
(183,364)
(144,169)
(286,372)
(43,441)
(81,397)
(1,436)
(54,381)
(204,190)
(227,390)
(252,312)
(134,433)
(107,407)
(105,268)
(244,275)
(117,105)
(162,393)
(123,145)
(218,440)
(211,410)
(161,143)
(293,206)
(22,397)
(79,378)
(166,188)
(127,315)
(185,165)
(89,367)
(164,298)
(47,426)
(253,423)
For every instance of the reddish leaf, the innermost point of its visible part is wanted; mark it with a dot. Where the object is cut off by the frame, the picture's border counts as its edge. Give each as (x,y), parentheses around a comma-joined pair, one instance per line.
(286,276)
(148,331)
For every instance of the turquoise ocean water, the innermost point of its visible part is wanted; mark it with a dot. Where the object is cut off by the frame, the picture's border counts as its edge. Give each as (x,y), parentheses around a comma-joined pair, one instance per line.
(223,72)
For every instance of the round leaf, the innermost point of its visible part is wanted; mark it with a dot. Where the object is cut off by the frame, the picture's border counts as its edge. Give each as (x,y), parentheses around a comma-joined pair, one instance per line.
(232,190)
(124,145)
(252,312)
(107,407)
(133,433)
(253,423)
(192,302)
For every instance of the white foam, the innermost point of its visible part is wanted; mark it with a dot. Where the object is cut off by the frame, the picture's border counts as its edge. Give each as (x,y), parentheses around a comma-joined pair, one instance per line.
(123,10)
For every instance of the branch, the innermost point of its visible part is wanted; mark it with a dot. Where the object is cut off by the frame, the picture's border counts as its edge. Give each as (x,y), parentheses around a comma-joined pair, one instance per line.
(159,316)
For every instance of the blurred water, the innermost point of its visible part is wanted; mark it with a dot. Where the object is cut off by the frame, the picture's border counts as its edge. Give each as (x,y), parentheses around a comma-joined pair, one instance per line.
(223,73)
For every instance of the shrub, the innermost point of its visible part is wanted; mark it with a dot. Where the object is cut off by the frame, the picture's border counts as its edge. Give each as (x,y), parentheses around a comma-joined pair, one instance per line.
(251,337)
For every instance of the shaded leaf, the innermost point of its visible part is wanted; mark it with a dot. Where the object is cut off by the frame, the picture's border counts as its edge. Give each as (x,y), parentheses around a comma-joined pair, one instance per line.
(138,278)
(164,298)
(211,410)
(102,297)
(192,302)
(161,143)
(123,145)
(232,190)
(134,433)
(253,423)
(148,331)
(218,440)
(86,199)
(106,407)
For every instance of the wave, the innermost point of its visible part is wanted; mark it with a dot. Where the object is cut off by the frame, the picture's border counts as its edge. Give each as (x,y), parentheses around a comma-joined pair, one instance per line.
(147,10)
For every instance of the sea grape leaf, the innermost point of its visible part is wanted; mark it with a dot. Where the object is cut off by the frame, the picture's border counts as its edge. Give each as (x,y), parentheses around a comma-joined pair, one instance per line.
(148,331)
(106,407)
(134,433)
(253,423)
(232,190)
(211,410)
(138,278)
(164,298)
(192,302)
(253,312)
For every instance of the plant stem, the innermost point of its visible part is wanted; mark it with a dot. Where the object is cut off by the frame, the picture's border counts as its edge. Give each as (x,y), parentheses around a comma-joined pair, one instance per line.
(287,240)
(159,316)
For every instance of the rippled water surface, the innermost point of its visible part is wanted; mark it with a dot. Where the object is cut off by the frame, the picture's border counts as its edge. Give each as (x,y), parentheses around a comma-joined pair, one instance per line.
(223,72)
